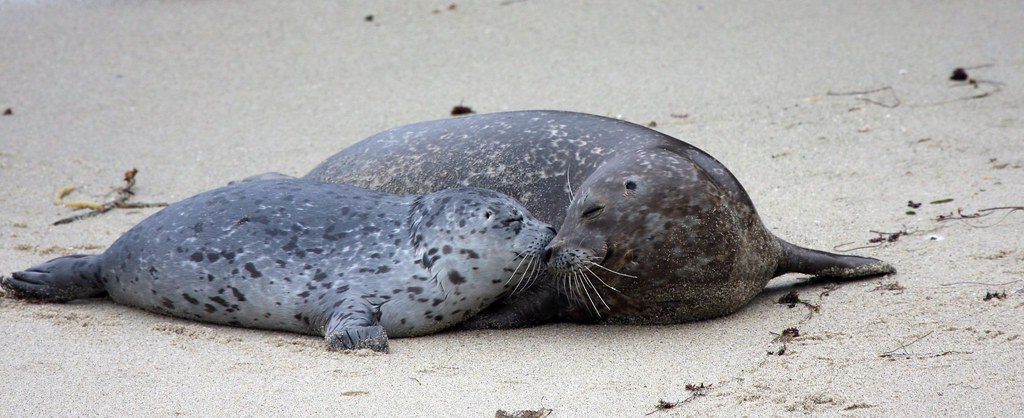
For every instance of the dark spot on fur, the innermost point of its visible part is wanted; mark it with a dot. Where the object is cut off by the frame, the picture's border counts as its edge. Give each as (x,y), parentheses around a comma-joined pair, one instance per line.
(455,277)
(196,257)
(249,267)
(219,300)
(190,299)
(319,276)
(414,290)
(238,295)
(167,303)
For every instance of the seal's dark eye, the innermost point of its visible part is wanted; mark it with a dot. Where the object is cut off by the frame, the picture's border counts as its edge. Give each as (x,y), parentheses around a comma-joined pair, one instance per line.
(487,214)
(593,212)
(630,185)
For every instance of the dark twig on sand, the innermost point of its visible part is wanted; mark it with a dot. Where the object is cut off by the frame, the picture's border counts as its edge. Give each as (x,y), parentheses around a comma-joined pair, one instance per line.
(901,351)
(120,201)
(892,105)
(881,239)
(963,217)
(696,391)
(979,283)
(892,353)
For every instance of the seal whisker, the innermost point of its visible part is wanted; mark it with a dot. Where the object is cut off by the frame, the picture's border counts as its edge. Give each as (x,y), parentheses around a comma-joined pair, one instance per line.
(582,284)
(564,281)
(568,185)
(526,274)
(532,276)
(522,276)
(601,280)
(613,271)
(596,291)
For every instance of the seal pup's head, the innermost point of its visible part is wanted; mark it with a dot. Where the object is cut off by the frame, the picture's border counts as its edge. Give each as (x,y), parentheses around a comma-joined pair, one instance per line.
(480,241)
(627,229)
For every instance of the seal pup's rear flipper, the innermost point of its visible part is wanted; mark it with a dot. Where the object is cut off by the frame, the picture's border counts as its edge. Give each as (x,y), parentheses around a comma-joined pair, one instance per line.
(58,280)
(796,259)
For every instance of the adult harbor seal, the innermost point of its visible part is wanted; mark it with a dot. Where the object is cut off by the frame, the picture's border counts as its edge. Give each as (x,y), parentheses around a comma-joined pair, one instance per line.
(353,265)
(663,229)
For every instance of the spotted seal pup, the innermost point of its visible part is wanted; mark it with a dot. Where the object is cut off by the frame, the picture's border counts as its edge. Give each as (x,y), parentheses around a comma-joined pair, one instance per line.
(653,230)
(354,265)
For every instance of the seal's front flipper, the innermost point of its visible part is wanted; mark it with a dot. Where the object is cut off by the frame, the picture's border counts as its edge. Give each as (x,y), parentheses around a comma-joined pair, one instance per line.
(355,329)
(58,280)
(537,305)
(354,338)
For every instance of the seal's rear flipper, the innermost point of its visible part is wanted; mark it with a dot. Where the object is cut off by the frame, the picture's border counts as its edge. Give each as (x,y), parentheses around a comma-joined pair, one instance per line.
(58,280)
(796,259)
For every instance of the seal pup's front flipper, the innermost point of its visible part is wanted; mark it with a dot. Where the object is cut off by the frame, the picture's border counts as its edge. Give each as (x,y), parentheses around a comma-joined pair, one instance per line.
(59,280)
(355,325)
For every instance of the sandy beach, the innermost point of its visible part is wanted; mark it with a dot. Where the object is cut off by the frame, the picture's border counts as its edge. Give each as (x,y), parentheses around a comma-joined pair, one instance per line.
(195,94)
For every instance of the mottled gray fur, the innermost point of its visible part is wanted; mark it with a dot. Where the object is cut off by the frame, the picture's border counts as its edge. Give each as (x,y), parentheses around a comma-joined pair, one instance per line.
(354,265)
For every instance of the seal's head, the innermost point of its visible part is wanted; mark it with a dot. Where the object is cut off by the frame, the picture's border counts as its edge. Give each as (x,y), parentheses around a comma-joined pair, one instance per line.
(633,225)
(478,239)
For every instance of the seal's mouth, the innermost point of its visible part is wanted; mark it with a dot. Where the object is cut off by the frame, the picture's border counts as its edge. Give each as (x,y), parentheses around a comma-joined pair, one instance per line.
(608,253)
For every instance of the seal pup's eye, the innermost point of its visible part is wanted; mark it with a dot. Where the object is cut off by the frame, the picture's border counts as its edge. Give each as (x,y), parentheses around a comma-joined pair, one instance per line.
(630,185)
(487,214)
(593,212)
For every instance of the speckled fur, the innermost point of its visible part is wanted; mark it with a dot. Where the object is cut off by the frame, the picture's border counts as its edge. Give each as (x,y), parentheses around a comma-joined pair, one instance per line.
(310,258)
(685,227)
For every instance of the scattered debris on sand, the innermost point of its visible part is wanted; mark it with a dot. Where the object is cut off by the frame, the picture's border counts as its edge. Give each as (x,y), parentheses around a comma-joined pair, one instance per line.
(462,110)
(696,391)
(995,295)
(120,201)
(882,238)
(525,413)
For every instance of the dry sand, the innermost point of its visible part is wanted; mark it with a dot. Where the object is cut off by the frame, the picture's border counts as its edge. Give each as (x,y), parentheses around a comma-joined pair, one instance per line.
(198,93)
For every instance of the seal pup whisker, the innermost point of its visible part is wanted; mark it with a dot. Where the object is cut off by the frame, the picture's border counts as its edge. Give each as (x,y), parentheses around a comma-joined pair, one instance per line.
(515,271)
(525,275)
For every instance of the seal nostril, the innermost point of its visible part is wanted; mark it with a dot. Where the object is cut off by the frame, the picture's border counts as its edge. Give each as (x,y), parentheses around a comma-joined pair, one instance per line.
(552,229)
(544,258)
